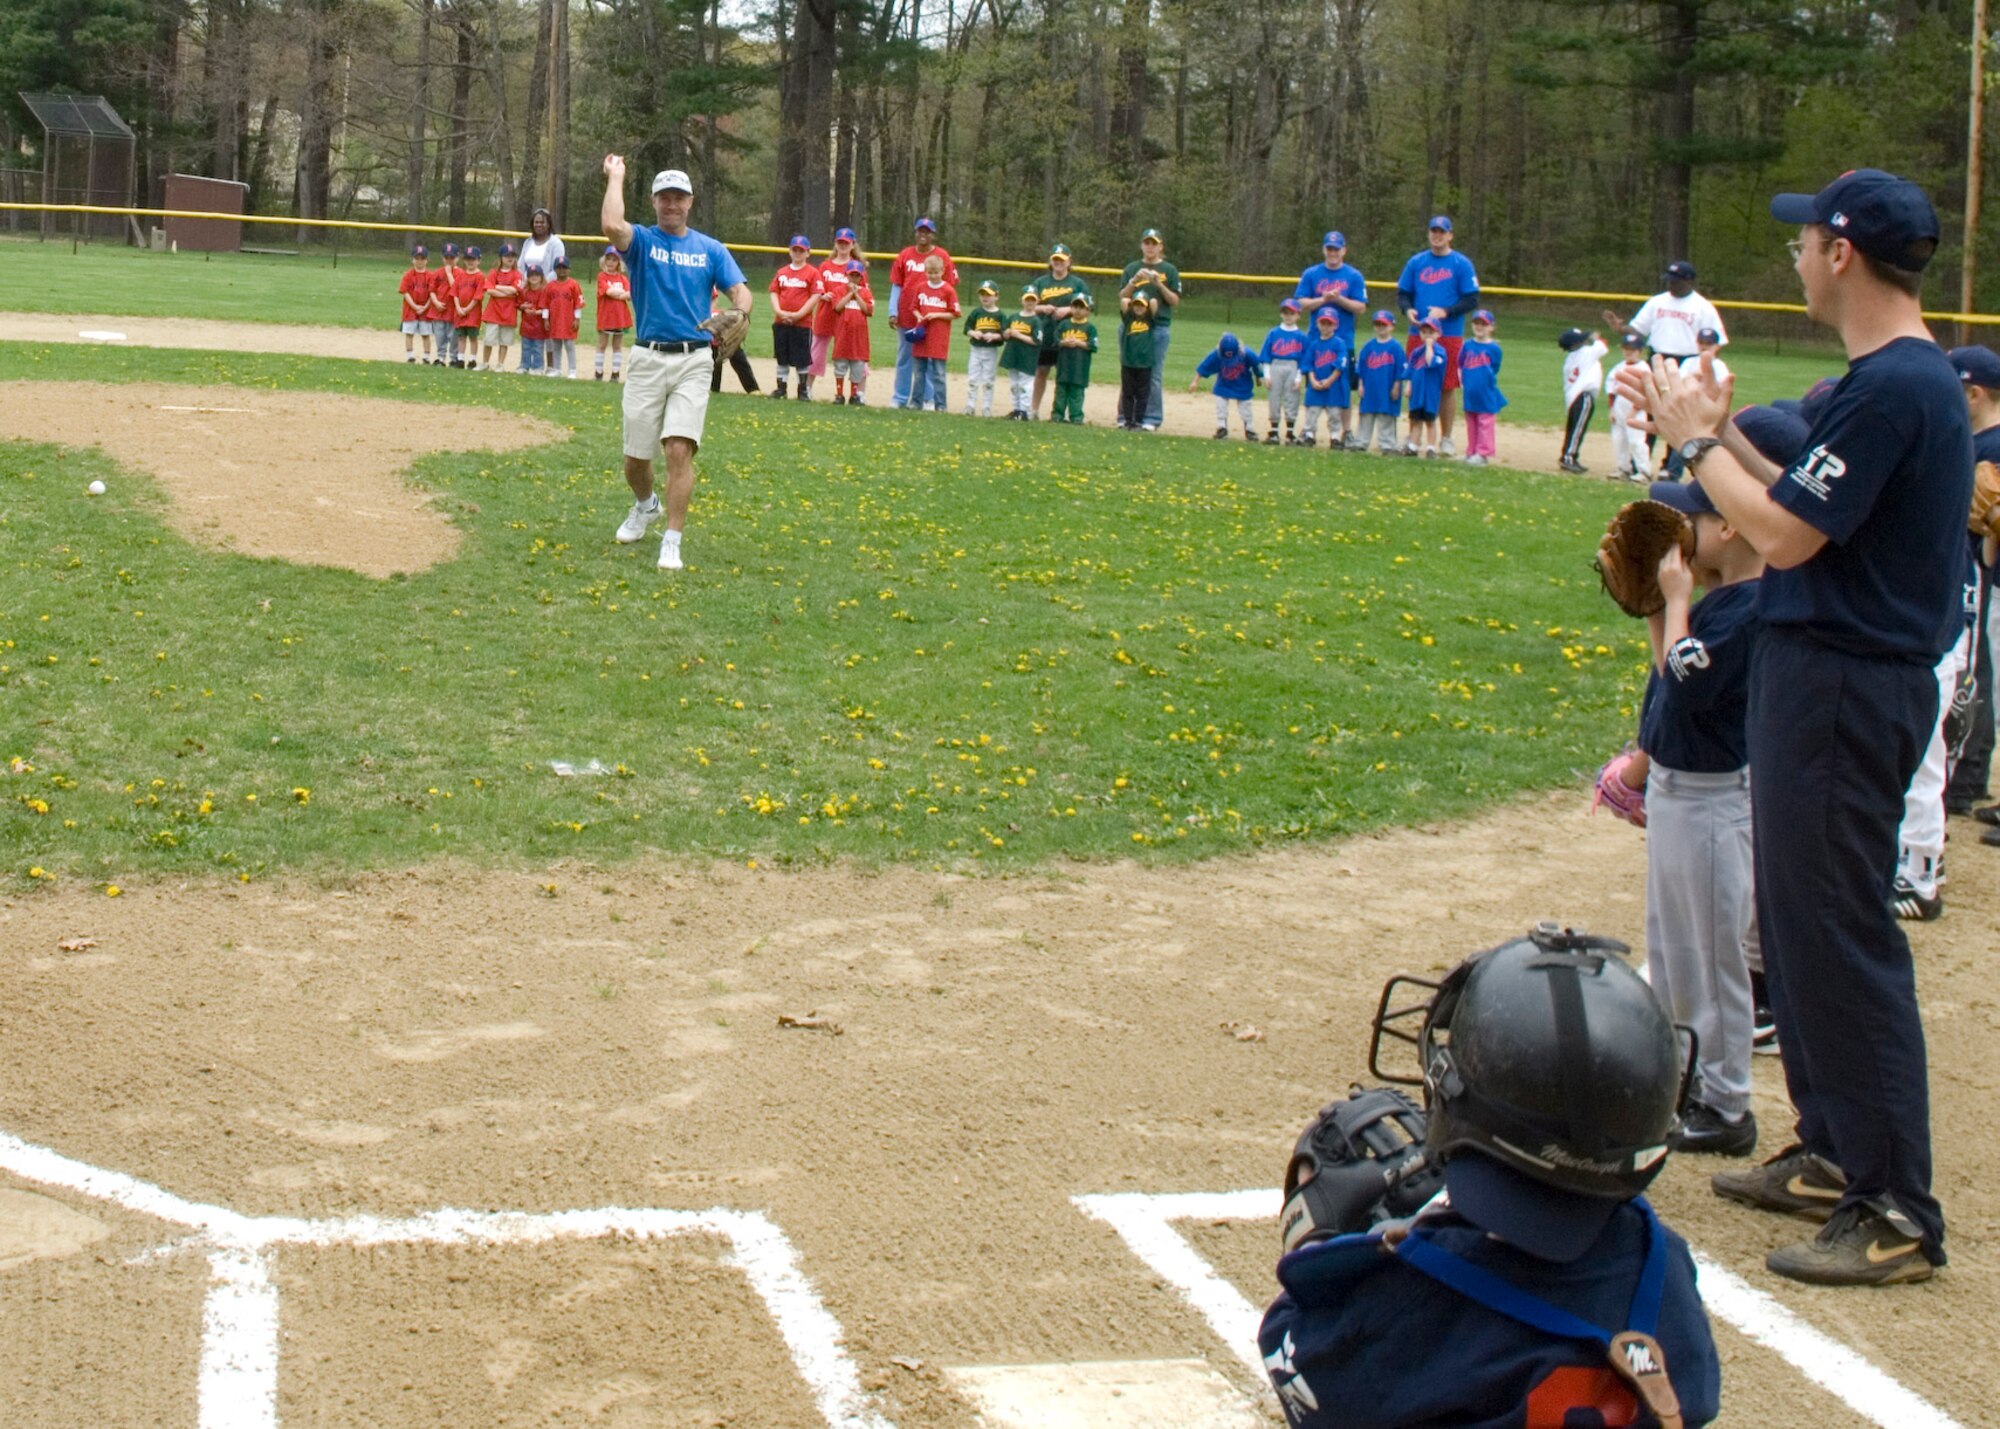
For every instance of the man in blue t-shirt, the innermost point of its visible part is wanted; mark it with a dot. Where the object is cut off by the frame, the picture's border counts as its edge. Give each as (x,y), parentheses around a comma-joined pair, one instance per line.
(1440,284)
(674,273)
(1861,598)
(1338,284)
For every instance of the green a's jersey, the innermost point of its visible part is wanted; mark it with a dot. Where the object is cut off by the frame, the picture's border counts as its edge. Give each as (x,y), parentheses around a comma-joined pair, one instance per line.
(1061,292)
(984,328)
(1135,339)
(1022,356)
(1073,363)
(1170,278)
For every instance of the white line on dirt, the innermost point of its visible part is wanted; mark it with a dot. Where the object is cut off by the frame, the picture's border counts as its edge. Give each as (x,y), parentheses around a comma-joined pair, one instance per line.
(238,1376)
(1145,1223)
(250,410)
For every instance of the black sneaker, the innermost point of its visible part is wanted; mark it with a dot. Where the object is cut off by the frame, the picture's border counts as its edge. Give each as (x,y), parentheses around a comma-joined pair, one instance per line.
(1221,432)
(1795,1182)
(1763,1025)
(1271,437)
(1988,814)
(1867,1244)
(1574,468)
(1910,904)
(1991,838)
(1708,1131)
(778,393)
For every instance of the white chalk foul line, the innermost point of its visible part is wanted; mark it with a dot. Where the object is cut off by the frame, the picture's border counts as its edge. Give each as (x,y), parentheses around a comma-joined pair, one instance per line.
(238,1375)
(1145,1223)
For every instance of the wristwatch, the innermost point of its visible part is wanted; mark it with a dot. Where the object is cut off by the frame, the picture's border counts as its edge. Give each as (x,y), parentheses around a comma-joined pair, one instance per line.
(1693,451)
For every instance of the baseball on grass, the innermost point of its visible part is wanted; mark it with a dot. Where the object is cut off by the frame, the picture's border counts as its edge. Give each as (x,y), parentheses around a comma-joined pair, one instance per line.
(96,488)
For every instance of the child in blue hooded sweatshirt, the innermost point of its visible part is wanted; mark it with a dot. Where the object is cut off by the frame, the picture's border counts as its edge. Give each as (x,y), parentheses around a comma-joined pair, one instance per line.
(1237,372)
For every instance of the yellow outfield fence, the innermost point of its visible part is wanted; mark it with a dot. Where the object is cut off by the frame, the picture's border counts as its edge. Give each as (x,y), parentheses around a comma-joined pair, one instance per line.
(360,225)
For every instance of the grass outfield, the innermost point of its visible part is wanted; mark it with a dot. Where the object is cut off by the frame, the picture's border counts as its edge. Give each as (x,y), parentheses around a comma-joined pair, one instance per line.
(360,291)
(892,644)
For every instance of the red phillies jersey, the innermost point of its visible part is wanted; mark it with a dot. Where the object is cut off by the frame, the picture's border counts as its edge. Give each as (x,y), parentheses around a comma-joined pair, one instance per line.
(850,332)
(832,283)
(908,275)
(565,300)
(535,312)
(928,301)
(501,308)
(614,302)
(792,288)
(470,288)
(416,291)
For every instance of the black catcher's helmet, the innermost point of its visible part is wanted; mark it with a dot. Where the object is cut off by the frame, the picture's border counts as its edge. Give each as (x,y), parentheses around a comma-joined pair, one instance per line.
(1551,1056)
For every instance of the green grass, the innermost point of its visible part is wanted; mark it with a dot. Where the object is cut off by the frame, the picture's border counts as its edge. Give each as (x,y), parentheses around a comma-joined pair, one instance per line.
(901,638)
(359,290)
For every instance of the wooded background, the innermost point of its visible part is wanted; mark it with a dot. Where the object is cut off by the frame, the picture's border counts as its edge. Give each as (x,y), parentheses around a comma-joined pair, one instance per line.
(1577,143)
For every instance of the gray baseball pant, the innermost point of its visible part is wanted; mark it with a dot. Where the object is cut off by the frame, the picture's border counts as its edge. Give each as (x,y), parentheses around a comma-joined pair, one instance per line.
(1286,391)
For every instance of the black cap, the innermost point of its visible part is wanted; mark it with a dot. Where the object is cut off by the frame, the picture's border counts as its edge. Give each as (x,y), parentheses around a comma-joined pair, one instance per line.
(1888,218)
(1571,338)
(1976,366)
(1686,497)
(1681,269)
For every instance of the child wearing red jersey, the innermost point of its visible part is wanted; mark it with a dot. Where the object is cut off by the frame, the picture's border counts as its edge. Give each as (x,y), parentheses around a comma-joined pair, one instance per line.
(794,298)
(832,279)
(416,287)
(935,309)
(467,298)
(614,310)
(503,306)
(565,300)
(534,320)
(853,304)
(444,284)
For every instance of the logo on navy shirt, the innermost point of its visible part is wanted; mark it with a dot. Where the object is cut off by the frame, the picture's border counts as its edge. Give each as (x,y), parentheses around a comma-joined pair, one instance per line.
(1687,656)
(1294,1394)
(1818,470)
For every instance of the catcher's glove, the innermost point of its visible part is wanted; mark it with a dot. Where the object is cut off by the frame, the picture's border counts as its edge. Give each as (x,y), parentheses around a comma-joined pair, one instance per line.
(1366,1156)
(1984,519)
(1628,558)
(728,327)
(1615,794)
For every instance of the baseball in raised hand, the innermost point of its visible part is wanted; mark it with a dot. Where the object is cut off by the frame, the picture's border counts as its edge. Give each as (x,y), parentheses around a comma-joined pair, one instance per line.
(614,168)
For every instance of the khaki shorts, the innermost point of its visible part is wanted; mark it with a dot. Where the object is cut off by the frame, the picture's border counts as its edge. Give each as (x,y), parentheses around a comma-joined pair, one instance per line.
(666,395)
(496,335)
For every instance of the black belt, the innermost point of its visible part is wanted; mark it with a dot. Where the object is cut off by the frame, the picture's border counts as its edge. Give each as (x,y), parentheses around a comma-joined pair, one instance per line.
(675,346)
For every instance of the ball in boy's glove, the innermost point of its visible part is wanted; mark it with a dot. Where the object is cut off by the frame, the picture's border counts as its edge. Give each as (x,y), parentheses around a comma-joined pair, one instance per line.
(729,327)
(1616,795)
(1365,1156)
(1984,519)
(1628,558)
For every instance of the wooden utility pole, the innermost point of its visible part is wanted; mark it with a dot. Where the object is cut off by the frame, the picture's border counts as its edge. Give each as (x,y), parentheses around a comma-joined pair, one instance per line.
(1975,135)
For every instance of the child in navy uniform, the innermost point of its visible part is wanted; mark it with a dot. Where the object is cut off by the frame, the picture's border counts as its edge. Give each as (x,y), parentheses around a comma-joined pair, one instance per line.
(1236,372)
(1325,369)
(1283,350)
(1479,376)
(1381,368)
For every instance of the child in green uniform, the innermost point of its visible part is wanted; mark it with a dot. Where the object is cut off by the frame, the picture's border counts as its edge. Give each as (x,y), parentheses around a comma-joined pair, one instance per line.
(1135,357)
(986,331)
(1076,339)
(1022,354)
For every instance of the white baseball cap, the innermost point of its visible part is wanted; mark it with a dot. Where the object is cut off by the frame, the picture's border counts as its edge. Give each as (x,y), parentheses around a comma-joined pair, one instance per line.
(672,179)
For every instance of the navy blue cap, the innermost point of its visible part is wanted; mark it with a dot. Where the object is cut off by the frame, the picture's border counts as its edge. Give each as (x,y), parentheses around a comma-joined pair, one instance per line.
(1228,344)
(1686,497)
(1441,222)
(1544,1221)
(506,250)
(1976,366)
(450,250)
(1334,239)
(1777,434)
(472,250)
(1681,269)
(1631,340)
(534,270)
(1887,218)
(1427,321)
(1708,334)
(420,251)
(923,223)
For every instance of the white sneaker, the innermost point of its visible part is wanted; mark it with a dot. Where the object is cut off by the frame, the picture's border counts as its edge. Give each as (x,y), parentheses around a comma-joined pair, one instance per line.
(1444,447)
(670,551)
(642,515)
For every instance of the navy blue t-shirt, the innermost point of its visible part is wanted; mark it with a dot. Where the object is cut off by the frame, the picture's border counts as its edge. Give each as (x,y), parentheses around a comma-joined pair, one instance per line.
(1886,476)
(1359,1340)
(1693,716)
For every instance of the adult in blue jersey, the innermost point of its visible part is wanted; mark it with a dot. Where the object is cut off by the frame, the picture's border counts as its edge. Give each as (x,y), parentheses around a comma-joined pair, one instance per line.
(1439,283)
(1862,596)
(1335,283)
(674,273)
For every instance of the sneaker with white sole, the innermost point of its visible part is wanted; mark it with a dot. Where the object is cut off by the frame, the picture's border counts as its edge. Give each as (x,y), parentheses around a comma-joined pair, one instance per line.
(1445,447)
(670,551)
(1912,904)
(642,515)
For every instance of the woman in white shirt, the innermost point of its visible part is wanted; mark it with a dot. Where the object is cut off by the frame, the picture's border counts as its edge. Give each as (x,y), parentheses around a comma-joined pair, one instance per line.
(542,249)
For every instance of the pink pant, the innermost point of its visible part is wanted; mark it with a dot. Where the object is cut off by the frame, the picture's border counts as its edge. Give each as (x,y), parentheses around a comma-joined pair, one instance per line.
(820,346)
(1479,432)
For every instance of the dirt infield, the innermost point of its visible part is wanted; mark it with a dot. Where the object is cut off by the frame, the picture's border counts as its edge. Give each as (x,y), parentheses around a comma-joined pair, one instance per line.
(582,1039)
(1524,446)
(304,476)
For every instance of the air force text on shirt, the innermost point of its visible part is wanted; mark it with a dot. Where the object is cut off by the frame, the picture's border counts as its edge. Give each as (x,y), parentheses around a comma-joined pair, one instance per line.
(677,257)
(1818,471)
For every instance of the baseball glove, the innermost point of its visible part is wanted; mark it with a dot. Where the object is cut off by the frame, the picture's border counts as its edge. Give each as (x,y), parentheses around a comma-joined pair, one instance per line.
(1984,519)
(1615,794)
(1628,558)
(1366,1158)
(728,327)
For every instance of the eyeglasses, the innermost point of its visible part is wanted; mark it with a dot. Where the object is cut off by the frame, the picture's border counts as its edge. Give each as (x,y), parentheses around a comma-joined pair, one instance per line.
(1797,246)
